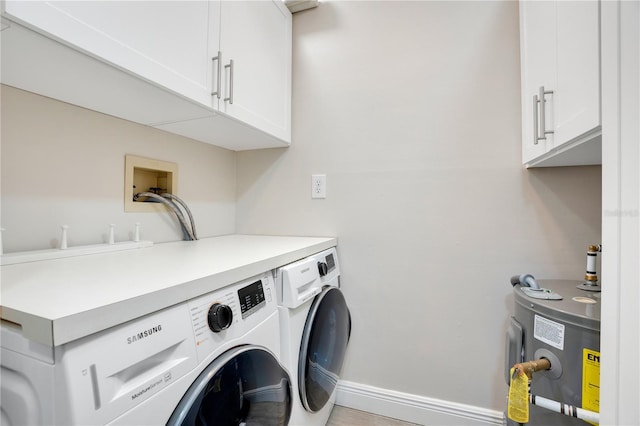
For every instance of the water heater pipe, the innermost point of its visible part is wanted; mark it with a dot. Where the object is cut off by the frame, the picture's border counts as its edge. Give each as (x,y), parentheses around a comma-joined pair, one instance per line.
(542,364)
(531,367)
(566,409)
(591,276)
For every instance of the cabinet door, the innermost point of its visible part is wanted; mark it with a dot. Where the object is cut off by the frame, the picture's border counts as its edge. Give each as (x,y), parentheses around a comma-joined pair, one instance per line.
(256,36)
(164,42)
(560,52)
(538,62)
(577,99)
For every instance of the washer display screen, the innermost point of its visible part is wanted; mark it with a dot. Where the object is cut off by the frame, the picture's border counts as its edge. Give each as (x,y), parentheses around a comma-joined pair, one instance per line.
(330,262)
(251,298)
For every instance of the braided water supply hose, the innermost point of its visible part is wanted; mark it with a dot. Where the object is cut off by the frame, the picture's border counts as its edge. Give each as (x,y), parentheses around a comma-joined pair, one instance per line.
(189,235)
(184,205)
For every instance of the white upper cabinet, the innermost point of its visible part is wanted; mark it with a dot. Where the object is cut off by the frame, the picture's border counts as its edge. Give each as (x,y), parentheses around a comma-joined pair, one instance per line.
(251,76)
(163,42)
(538,54)
(560,53)
(256,36)
(152,62)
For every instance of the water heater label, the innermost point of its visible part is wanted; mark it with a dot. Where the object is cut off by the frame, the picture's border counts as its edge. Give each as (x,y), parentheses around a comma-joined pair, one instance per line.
(590,380)
(549,332)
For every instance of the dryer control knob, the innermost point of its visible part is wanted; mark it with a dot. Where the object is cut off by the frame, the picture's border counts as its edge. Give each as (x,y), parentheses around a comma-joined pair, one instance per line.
(220,317)
(323,268)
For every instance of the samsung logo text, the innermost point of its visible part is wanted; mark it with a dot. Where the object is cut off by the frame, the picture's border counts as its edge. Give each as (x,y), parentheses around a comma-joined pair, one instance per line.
(143,334)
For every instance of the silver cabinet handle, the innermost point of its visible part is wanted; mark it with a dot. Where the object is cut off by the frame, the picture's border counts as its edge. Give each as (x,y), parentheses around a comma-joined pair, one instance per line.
(217,59)
(541,99)
(230,97)
(535,119)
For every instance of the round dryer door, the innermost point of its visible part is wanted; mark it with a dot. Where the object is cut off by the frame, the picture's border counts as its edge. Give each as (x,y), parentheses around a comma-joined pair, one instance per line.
(245,385)
(324,345)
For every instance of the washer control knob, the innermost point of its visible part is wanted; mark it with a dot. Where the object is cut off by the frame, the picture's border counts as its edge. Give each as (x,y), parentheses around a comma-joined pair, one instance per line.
(323,268)
(220,317)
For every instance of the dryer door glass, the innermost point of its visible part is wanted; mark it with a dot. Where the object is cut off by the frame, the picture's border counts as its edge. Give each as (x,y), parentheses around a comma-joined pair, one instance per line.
(245,385)
(324,344)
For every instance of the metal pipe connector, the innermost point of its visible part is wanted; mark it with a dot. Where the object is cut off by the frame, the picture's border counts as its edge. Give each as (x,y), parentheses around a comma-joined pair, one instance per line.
(531,367)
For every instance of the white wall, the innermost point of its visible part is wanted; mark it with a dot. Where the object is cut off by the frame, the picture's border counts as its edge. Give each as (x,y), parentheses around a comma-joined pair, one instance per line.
(65,165)
(412,109)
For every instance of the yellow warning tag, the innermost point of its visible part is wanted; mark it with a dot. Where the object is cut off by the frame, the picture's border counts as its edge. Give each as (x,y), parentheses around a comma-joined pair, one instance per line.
(518,409)
(590,380)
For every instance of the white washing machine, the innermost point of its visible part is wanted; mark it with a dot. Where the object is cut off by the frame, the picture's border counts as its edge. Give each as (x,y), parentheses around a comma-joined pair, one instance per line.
(315,326)
(214,358)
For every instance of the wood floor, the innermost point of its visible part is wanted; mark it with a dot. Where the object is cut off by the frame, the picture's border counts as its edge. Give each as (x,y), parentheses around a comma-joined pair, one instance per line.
(342,416)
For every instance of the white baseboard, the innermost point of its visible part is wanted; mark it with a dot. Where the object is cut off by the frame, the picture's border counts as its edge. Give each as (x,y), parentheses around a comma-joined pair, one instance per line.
(413,408)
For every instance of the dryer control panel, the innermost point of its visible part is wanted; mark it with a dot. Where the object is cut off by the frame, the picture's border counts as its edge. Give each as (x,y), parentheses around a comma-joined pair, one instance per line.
(299,282)
(328,266)
(225,315)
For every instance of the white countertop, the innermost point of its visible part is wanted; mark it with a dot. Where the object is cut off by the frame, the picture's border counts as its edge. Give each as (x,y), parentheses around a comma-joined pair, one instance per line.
(58,301)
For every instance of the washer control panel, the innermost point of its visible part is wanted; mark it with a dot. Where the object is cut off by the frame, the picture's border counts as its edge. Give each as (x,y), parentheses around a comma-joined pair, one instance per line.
(251,298)
(221,316)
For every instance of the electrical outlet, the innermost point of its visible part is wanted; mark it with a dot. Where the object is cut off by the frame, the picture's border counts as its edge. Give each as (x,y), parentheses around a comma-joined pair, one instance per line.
(318,186)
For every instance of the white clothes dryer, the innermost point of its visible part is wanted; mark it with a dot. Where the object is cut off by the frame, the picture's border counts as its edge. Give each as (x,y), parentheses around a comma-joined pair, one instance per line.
(212,359)
(315,326)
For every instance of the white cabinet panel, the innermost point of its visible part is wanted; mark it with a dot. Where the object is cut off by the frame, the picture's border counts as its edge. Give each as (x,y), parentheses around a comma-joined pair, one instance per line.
(224,132)
(578,97)
(560,56)
(538,56)
(251,77)
(152,62)
(44,66)
(164,42)
(256,36)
